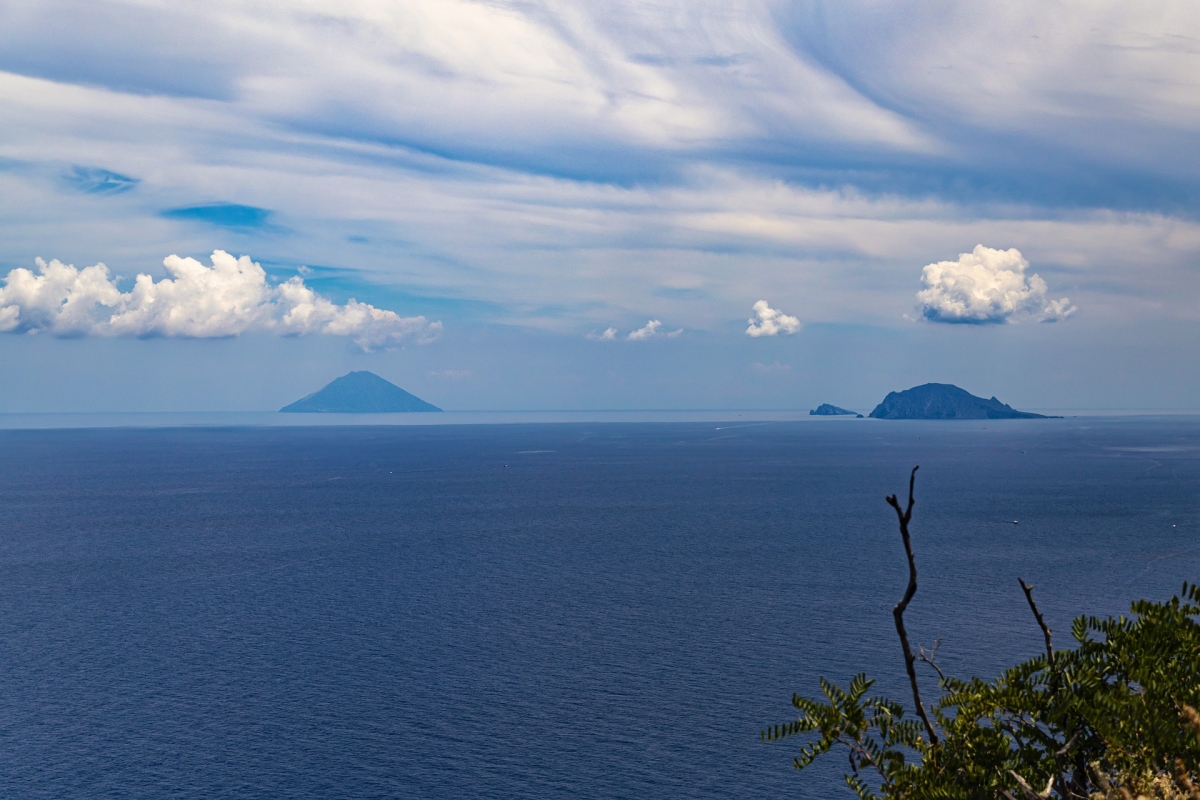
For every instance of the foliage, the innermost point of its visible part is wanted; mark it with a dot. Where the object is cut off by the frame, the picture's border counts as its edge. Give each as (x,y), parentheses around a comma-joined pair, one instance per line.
(1112,717)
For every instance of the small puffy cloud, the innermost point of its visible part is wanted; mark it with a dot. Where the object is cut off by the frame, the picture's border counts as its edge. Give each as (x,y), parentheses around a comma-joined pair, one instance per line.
(608,335)
(645,332)
(228,298)
(651,330)
(769,321)
(987,286)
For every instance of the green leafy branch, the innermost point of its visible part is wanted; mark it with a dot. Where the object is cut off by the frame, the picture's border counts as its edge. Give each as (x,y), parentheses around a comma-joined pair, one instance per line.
(1113,717)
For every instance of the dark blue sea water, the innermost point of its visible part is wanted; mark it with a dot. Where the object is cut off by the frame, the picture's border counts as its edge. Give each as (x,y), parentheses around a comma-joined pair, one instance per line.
(532,611)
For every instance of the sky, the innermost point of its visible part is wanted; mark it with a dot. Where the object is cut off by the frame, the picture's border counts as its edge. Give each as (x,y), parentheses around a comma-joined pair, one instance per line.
(627,205)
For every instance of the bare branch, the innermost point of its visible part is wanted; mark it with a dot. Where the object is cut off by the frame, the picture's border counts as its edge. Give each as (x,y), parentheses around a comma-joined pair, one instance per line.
(861,757)
(930,659)
(1066,748)
(1047,634)
(1029,791)
(1041,621)
(1013,732)
(898,612)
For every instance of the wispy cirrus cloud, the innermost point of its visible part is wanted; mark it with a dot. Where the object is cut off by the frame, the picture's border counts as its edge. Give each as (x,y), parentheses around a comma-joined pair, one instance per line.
(766,150)
(228,298)
(538,170)
(939,101)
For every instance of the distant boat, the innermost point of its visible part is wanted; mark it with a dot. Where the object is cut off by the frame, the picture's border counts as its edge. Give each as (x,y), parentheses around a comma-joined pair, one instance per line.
(359,393)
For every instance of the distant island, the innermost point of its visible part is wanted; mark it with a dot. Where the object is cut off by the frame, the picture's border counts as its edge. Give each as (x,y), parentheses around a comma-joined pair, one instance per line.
(827,410)
(359,393)
(945,401)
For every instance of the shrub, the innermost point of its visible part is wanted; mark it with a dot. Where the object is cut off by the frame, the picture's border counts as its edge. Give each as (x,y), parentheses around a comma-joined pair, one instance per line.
(1113,717)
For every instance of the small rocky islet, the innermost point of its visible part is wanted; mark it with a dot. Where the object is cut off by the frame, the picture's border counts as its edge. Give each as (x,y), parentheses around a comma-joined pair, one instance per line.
(828,410)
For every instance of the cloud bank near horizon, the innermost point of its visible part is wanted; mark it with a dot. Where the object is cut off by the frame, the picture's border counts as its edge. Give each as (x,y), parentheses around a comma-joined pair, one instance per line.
(228,298)
(987,286)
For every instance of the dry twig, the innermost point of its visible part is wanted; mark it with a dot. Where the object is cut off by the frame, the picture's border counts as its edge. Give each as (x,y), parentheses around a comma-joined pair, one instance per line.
(1029,791)
(898,612)
(1041,621)
(930,658)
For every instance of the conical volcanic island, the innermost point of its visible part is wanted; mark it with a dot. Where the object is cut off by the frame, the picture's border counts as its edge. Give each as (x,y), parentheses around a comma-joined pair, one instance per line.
(359,393)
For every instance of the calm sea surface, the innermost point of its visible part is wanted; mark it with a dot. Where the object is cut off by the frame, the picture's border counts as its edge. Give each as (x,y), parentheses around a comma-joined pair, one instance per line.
(533,611)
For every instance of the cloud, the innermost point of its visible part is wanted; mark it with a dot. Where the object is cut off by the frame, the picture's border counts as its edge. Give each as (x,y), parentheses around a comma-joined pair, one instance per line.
(493,210)
(647,331)
(651,330)
(771,321)
(608,335)
(197,301)
(987,286)
(554,87)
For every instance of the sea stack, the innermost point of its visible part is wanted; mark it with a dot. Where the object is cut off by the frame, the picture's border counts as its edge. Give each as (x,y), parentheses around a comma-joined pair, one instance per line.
(359,393)
(945,401)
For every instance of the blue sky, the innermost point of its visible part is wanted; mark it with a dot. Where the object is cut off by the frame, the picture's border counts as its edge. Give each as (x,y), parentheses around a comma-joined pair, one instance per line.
(495,185)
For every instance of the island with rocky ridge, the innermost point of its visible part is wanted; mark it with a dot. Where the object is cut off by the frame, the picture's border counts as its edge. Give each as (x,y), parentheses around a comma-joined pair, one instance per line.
(945,401)
(359,393)
(828,410)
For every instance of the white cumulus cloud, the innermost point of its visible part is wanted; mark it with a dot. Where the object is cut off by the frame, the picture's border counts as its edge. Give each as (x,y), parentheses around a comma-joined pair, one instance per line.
(230,297)
(647,331)
(769,321)
(651,330)
(987,286)
(608,335)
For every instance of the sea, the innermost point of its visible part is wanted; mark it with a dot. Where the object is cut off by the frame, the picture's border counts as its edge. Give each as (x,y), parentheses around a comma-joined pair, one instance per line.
(572,609)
